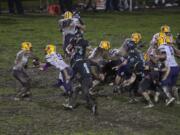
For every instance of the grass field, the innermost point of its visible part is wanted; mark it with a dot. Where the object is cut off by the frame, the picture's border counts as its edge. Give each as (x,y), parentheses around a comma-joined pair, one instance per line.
(44,115)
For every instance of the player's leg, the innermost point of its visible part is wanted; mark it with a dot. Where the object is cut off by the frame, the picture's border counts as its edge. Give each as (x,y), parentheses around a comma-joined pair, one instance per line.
(144,86)
(119,79)
(86,85)
(24,79)
(173,83)
(166,86)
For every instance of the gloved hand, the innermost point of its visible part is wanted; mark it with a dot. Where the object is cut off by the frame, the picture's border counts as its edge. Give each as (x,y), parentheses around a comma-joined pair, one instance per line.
(36,62)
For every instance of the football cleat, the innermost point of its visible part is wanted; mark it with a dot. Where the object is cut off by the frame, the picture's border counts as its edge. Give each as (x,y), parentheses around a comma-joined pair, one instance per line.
(149,106)
(168,102)
(67,106)
(94,109)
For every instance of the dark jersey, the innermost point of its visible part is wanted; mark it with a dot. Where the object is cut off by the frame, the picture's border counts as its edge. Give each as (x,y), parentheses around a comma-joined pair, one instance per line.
(154,71)
(128,45)
(82,67)
(134,57)
(78,58)
(79,50)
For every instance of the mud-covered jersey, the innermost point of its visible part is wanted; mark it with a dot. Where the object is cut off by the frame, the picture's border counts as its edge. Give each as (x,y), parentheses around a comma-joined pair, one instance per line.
(69,26)
(79,22)
(56,60)
(135,61)
(170,58)
(114,52)
(21,60)
(134,56)
(79,49)
(99,55)
(82,67)
(128,44)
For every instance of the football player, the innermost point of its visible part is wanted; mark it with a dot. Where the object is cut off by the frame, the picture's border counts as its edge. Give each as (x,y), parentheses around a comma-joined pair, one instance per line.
(19,70)
(70,27)
(130,69)
(55,59)
(167,54)
(158,39)
(100,56)
(81,68)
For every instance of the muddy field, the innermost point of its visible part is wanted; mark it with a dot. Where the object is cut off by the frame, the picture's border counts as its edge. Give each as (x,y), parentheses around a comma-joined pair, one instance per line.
(44,115)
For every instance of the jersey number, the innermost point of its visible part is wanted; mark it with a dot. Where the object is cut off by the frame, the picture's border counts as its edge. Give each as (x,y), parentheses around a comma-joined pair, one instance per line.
(80,51)
(86,68)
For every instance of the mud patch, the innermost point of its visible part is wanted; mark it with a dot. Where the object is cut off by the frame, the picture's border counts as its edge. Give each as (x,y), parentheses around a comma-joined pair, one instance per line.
(40,79)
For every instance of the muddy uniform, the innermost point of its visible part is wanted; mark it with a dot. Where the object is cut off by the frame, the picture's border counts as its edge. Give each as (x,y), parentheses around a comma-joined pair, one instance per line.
(134,65)
(108,67)
(170,61)
(56,60)
(81,67)
(152,77)
(19,73)
(125,71)
(134,57)
(69,28)
(79,32)
(99,57)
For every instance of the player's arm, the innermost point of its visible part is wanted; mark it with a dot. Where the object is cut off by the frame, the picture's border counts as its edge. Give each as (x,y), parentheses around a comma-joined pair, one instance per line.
(176,51)
(60,25)
(153,42)
(44,66)
(69,48)
(80,25)
(18,58)
(35,59)
(124,62)
(161,55)
(67,77)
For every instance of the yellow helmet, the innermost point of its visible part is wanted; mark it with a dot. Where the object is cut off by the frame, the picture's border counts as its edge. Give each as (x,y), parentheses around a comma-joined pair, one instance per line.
(136,37)
(26,46)
(165,29)
(105,45)
(50,49)
(68,15)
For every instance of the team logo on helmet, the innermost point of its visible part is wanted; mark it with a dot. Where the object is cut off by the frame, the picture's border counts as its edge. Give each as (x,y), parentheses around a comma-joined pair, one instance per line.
(49,49)
(105,45)
(68,15)
(136,37)
(165,29)
(27,46)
